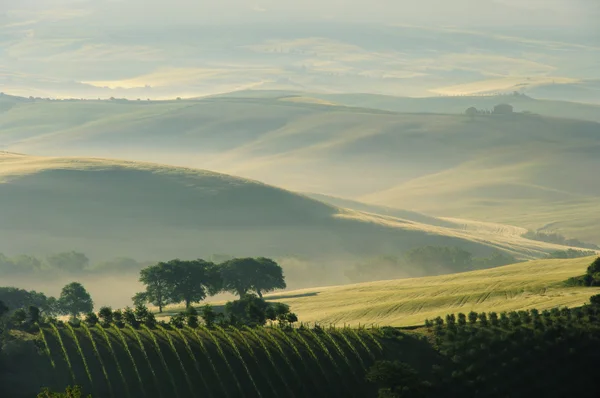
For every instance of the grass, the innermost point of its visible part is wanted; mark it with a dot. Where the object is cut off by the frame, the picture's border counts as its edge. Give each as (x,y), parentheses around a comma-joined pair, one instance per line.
(406,302)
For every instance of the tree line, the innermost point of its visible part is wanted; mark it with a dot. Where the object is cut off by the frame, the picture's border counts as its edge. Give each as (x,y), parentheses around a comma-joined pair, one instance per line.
(71,262)
(553,237)
(191,281)
(426,260)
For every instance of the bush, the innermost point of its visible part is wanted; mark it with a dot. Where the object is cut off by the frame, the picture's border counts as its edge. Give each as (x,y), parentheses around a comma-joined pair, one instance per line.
(106,316)
(91,319)
(209,315)
(178,320)
(130,318)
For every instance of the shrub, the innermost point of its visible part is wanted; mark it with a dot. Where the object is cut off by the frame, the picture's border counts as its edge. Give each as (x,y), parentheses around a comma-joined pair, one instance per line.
(91,319)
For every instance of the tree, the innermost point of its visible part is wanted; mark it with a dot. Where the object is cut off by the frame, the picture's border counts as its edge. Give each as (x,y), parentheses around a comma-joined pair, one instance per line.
(130,318)
(19,298)
(91,319)
(33,314)
(68,261)
(503,109)
(269,277)
(191,317)
(472,111)
(74,300)
(158,281)
(472,317)
(242,275)
(18,318)
(139,299)
(190,281)
(209,315)
(106,316)
(593,273)
(3,309)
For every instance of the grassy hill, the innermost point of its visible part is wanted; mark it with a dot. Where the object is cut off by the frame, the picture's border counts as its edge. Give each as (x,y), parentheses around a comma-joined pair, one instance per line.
(525,170)
(533,284)
(110,208)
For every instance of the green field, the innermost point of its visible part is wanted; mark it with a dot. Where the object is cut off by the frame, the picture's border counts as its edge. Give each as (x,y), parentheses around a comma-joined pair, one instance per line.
(404,302)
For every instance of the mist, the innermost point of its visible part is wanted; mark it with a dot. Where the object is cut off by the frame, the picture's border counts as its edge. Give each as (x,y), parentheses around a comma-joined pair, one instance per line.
(85,49)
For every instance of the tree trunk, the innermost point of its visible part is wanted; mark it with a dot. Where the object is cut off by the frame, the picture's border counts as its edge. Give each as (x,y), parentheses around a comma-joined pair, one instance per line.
(187,304)
(259,293)
(160,308)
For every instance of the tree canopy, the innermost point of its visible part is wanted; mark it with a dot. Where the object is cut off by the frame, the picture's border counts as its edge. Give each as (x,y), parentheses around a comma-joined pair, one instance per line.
(158,286)
(74,300)
(242,275)
(191,281)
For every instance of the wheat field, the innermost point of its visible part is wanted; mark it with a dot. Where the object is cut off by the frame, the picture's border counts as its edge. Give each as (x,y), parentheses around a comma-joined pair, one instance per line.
(406,302)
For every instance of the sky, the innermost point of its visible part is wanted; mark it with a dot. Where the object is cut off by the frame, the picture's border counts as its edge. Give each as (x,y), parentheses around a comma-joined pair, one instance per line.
(160,49)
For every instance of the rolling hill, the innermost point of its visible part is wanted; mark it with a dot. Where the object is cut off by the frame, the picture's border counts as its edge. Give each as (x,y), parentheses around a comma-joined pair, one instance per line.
(525,170)
(532,284)
(110,208)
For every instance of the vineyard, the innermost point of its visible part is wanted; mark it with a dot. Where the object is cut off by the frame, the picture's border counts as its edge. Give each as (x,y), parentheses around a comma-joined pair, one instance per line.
(201,362)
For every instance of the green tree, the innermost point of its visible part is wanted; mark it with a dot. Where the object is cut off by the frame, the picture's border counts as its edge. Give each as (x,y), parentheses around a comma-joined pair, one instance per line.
(18,318)
(130,318)
(33,314)
(191,317)
(106,316)
(69,261)
(3,309)
(159,281)
(209,315)
(242,275)
(74,300)
(139,299)
(269,277)
(91,319)
(191,281)
(593,273)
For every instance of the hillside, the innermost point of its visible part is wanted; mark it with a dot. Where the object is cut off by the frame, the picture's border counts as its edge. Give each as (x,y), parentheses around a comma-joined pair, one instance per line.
(523,170)
(111,208)
(533,284)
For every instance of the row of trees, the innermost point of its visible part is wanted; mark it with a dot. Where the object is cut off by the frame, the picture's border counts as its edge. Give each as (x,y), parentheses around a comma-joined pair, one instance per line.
(571,253)
(503,355)
(553,237)
(66,262)
(188,282)
(500,109)
(26,308)
(426,260)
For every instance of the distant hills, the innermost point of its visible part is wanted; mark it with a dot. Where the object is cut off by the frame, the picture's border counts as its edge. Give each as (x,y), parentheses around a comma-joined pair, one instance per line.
(528,170)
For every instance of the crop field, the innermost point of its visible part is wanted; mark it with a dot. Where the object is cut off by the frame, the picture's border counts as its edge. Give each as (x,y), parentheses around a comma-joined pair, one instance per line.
(405,302)
(124,361)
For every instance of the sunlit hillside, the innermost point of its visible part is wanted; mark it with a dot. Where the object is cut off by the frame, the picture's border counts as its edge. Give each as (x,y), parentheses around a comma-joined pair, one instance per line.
(533,284)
